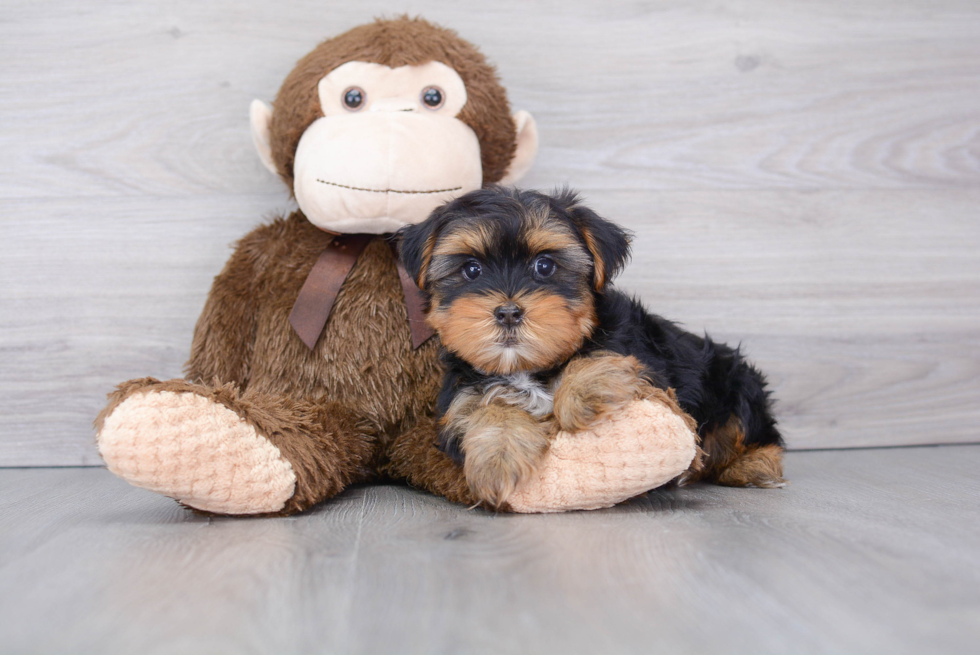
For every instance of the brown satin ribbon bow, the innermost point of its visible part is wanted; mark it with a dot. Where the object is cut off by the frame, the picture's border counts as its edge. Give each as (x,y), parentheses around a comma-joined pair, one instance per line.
(316,298)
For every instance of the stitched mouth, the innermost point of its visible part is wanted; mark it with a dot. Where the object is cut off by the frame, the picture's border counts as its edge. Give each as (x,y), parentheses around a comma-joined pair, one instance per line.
(355,188)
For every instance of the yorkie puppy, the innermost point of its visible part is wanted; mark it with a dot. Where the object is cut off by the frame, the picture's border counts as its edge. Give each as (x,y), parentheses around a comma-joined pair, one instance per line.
(536,341)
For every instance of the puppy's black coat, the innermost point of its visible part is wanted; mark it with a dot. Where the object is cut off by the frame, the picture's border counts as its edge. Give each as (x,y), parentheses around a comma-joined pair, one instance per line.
(507,234)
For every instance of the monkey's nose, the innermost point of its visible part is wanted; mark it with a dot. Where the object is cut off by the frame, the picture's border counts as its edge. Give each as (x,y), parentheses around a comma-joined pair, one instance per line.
(509,315)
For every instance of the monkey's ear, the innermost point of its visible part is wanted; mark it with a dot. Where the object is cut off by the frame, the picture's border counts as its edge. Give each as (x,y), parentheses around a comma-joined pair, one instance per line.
(260,114)
(416,242)
(527,148)
(608,243)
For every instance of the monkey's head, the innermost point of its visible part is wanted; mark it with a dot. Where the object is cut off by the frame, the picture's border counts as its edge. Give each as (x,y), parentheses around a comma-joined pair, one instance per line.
(377,127)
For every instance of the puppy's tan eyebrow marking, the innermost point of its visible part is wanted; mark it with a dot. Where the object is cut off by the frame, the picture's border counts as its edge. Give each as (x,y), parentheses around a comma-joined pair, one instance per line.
(539,239)
(470,241)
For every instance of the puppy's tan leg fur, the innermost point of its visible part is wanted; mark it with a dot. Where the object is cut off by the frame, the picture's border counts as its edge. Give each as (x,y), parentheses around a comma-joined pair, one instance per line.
(503,446)
(595,386)
(731,463)
(756,467)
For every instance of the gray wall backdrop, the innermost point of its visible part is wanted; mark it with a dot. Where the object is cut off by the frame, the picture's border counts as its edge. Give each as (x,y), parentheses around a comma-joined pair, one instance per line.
(801,177)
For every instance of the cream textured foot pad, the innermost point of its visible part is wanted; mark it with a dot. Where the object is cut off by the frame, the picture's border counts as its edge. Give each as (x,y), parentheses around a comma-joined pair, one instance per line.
(645,446)
(197,451)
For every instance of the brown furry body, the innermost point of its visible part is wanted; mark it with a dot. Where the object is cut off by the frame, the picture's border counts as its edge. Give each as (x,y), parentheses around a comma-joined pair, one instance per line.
(358,406)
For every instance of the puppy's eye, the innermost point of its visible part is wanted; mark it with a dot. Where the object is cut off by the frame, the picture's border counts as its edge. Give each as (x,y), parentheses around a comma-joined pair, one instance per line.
(472,270)
(354,98)
(545,266)
(433,97)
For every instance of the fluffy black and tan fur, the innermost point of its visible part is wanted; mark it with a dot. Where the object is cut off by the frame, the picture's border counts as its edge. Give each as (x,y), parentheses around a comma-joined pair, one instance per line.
(536,340)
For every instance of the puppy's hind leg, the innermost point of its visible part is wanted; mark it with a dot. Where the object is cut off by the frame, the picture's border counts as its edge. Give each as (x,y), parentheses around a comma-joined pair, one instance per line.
(756,467)
(731,462)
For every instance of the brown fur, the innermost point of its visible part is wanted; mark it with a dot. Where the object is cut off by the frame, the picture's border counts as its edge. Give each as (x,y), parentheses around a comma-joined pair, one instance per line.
(503,442)
(333,412)
(599,265)
(593,387)
(400,42)
(596,386)
(361,402)
(326,447)
(426,260)
(463,242)
(558,328)
(374,372)
(756,467)
(729,462)
(540,240)
(414,457)
(552,329)
(503,446)
(469,327)
(457,416)
(546,235)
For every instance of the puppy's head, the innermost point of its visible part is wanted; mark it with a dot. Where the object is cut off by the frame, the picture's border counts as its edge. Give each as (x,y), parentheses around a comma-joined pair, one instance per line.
(512,276)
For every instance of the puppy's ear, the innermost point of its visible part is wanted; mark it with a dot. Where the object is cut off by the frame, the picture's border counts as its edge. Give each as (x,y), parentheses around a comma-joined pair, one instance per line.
(415,244)
(608,243)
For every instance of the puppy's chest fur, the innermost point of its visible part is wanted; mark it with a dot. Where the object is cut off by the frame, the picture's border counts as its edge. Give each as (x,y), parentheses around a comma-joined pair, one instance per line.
(534,395)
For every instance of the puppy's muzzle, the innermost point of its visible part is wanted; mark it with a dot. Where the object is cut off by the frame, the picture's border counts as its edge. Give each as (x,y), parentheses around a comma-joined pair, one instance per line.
(509,315)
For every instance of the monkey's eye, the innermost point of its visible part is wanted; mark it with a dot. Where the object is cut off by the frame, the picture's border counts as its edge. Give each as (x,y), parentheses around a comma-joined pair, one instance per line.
(354,98)
(472,269)
(433,97)
(545,266)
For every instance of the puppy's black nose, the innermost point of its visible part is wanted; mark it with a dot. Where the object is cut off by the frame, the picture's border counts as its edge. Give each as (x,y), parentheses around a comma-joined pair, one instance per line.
(509,315)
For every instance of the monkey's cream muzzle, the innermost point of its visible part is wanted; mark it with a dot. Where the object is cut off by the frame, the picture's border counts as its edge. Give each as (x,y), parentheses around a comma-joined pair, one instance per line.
(376,171)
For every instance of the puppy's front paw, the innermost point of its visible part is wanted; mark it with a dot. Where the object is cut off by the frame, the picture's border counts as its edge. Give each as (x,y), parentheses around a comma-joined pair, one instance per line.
(502,449)
(595,386)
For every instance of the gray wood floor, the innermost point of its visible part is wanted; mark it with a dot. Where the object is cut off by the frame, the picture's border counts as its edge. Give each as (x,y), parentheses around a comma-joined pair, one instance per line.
(866,551)
(803,177)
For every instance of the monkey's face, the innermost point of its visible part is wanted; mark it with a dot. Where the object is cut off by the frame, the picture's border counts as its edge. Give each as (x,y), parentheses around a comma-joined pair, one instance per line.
(511,276)
(388,149)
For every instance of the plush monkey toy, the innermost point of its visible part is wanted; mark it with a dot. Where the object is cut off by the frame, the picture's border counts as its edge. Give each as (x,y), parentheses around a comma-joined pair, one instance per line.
(311,367)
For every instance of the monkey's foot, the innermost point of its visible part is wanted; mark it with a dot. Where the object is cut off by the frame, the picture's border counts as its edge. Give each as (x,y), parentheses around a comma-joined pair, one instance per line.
(648,443)
(195,450)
